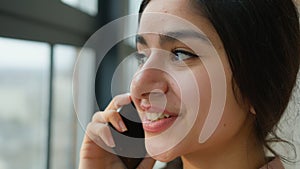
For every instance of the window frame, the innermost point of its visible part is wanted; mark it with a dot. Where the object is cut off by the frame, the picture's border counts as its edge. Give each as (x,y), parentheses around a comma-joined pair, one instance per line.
(49,21)
(55,22)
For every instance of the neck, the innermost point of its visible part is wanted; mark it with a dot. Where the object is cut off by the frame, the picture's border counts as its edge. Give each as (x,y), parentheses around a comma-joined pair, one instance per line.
(240,152)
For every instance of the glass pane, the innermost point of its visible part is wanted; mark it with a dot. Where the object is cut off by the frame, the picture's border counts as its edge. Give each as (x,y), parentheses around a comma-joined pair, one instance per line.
(64,118)
(133,9)
(88,6)
(84,92)
(67,133)
(24,85)
(134,6)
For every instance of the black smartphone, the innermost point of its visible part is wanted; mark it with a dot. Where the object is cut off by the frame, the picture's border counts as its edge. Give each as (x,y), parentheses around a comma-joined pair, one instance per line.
(130,145)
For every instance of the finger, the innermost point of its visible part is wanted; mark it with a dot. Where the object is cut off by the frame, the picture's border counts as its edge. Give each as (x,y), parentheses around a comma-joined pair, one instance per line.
(102,131)
(147,163)
(119,101)
(112,117)
(98,117)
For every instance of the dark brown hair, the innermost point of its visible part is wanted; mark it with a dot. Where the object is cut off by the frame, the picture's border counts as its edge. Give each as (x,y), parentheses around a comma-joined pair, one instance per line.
(262,42)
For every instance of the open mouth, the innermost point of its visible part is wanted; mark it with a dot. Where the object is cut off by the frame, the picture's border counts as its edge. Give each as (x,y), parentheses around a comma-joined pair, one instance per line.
(156,122)
(156,116)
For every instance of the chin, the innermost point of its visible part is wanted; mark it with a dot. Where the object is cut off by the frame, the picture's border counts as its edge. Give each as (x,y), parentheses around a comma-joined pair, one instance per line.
(160,153)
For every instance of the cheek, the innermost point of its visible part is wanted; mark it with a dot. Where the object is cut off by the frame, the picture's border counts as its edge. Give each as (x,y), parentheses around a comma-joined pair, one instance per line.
(196,99)
(204,106)
(205,90)
(232,120)
(234,117)
(204,86)
(231,115)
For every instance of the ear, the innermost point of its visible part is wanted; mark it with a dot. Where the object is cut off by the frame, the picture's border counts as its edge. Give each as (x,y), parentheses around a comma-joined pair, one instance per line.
(249,107)
(252,110)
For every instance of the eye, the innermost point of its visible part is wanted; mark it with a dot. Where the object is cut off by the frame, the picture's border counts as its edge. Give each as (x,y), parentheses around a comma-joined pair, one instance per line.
(182,55)
(141,58)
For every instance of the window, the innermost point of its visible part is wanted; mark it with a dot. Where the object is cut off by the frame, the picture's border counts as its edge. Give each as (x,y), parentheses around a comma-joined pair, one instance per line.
(38,124)
(24,98)
(26,118)
(63,117)
(88,6)
(133,9)
(72,107)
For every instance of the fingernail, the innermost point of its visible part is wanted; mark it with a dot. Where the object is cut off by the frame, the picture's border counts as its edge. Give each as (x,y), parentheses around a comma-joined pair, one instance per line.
(111,142)
(122,126)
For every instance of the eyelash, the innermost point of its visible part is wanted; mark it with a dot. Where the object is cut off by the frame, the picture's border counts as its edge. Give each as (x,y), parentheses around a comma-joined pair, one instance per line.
(142,58)
(186,53)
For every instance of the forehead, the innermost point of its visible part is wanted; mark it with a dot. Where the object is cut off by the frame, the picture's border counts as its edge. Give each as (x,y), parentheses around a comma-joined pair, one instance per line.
(171,15)
(167,6)
(162,16)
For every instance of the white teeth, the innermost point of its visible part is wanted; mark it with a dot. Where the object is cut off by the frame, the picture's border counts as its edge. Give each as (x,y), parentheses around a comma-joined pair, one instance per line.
(153,116)
(156,116)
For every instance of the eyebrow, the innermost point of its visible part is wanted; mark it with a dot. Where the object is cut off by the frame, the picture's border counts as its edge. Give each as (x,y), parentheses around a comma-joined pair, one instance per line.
(174,36)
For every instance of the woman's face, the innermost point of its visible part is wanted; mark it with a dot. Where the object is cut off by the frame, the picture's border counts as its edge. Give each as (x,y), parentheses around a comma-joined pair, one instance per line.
(183,86)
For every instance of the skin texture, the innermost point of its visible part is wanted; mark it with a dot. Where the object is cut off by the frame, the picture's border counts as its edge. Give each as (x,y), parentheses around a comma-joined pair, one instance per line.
(162,80)
(233,144)
(98,136)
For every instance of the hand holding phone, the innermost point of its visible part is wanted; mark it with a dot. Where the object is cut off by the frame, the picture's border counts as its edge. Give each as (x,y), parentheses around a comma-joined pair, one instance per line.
(130,145)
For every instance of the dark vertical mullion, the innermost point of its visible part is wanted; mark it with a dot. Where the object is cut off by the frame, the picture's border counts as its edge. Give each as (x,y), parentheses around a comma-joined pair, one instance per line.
(49,129)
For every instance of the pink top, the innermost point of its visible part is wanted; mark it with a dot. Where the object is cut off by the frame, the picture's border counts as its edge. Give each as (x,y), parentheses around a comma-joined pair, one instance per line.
(274,164)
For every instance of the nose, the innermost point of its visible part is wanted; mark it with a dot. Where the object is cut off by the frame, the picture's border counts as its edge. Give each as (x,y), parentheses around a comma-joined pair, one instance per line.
(149,80)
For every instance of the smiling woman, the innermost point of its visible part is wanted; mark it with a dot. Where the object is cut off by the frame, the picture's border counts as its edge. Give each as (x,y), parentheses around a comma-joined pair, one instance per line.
(214,79)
